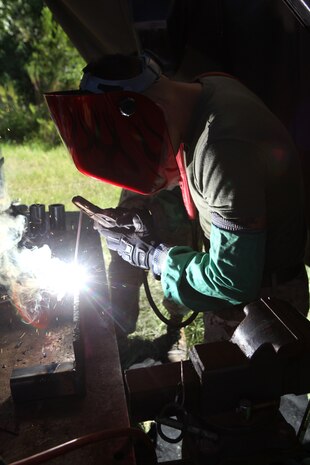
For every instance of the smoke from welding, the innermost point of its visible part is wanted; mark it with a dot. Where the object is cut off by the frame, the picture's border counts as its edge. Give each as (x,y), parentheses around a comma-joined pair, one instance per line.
(16,276)
(29,276)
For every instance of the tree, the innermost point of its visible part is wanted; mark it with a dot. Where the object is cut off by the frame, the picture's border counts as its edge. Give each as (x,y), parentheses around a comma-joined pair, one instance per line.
(54,63)
(36,56)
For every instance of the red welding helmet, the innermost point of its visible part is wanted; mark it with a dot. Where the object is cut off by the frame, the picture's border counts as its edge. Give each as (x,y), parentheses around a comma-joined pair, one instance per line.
(118,136)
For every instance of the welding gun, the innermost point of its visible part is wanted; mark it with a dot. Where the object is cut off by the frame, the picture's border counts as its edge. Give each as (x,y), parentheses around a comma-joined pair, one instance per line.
(129,232)
(107,218)
(105,221)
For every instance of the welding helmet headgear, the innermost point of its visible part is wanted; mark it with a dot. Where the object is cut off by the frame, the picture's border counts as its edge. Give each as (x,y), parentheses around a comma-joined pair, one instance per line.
(114,133)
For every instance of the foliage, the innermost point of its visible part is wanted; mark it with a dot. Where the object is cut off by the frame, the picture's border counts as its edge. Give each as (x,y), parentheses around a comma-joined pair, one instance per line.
(36,56)
(20,121)
(19,29)
(46,131)
(16,122)
(53,63)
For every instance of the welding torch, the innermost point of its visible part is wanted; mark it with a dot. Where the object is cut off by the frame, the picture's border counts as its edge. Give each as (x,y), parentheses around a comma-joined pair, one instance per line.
(117,223)
(105,220)
(105,217)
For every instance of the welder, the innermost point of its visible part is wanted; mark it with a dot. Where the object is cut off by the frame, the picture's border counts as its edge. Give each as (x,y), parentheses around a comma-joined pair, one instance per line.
(172,225)
(132,126)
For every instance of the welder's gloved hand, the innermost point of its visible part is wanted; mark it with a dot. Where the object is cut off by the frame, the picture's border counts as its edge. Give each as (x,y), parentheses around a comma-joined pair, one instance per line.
(133,248)
(131,220)
(135,241)
(137,220)
(108,217)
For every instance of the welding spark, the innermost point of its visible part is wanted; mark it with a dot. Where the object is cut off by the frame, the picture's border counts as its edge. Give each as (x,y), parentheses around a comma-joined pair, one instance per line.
(51,274)
(67,278)
(40,281)
(33,279)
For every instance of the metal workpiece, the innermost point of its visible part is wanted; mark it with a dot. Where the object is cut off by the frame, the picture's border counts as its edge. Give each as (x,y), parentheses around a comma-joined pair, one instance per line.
(37,219)
(44,381)
(19,209)
(42,222)
(57,367)
(63,381)
(57,217)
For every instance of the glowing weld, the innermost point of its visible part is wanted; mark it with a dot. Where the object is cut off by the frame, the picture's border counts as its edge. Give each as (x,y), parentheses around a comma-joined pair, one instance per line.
(43,279)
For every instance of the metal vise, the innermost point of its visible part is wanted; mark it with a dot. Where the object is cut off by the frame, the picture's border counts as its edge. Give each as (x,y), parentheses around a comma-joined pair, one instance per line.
(232,389)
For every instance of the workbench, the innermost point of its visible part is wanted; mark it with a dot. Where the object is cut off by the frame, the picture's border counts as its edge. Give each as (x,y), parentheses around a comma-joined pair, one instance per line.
(31,426)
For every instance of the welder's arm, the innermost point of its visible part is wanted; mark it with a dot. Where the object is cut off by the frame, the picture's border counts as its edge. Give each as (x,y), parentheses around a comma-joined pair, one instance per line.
(229,274)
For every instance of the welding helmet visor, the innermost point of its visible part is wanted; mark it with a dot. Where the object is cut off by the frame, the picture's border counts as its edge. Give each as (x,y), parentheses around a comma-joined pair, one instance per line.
(118,137)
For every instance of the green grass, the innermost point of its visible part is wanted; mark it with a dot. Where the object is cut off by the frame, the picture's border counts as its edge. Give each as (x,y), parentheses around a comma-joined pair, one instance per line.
(35,175)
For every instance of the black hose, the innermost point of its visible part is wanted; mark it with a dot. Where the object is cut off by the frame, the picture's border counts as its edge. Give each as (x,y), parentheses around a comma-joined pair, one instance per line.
(164,419)
(158,313)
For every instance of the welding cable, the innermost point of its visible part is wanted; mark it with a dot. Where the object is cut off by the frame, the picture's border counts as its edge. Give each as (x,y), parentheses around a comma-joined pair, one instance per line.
(131,433)
(176,417)
(158,313)
(172,409)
